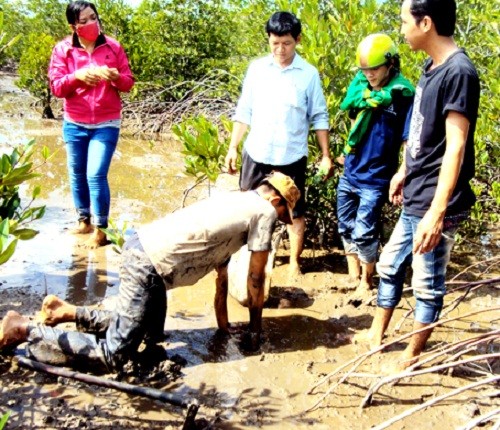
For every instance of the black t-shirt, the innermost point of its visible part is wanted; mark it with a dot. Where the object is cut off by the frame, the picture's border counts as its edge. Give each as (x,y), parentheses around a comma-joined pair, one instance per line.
(452,86)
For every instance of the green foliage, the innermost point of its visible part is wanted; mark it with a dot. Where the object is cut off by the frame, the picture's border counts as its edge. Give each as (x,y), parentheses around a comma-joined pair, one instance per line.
(33,69)
(173,41)
(27,16)
(16,169)
(204,146)
(331,32)
(115,16)
(6,41)
(116,235)
(4,419)
(478,31)
(12,27)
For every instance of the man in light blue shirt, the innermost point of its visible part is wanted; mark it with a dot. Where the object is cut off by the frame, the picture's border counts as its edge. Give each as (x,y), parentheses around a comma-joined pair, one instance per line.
(281,100)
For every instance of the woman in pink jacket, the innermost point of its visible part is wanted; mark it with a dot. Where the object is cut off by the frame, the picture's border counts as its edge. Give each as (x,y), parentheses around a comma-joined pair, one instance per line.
(88,70)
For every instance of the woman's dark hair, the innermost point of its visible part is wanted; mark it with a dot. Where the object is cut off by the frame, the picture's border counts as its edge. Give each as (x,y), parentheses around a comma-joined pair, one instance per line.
(74,9)
(283,23)
(442,12)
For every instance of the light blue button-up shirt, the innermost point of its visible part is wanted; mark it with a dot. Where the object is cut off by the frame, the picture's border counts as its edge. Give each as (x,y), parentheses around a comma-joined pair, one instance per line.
(280,105)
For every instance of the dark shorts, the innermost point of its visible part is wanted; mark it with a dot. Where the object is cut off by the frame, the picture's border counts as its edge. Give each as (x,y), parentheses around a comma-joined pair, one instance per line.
(252,173)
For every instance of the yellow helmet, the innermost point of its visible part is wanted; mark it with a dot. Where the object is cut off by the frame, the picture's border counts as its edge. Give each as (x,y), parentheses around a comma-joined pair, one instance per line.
(375,50)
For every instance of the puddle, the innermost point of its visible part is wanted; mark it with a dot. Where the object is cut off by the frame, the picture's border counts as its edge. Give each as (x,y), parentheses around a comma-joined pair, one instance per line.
(146,182)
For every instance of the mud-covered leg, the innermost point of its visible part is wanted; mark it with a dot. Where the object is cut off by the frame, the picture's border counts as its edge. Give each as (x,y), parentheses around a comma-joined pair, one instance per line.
(255,291)
(255,304)
(220,301)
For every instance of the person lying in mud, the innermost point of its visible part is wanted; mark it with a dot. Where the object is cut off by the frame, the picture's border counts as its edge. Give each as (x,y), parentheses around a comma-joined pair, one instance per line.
(174,251)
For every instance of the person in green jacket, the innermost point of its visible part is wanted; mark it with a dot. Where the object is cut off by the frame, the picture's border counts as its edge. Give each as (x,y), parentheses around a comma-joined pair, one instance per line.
(378,101)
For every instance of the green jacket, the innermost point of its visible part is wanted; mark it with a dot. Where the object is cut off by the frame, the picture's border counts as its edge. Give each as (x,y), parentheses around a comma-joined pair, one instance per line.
(360,97)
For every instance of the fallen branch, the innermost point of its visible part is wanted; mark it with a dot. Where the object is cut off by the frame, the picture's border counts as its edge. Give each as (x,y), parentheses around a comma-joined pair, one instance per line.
(191,405)
(433,401)
(469,286)
(481,419)
(407,374)
(476,264)
(357,361)
(467,345)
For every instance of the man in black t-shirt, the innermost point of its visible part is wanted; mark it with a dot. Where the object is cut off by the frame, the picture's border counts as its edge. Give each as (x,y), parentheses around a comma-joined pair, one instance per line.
(433,181)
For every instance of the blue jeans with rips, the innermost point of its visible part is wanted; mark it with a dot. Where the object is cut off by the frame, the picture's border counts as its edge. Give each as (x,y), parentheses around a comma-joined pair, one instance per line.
(429,269)
(358,212)
(105,340)
(89,154)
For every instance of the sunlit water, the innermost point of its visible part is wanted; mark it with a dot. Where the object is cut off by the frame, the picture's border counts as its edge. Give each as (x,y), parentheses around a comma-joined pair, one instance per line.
(146,180)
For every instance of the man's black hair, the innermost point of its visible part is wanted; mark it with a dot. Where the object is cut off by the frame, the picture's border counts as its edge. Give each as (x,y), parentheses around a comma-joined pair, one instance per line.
(442,12)
(283,23)
(74,9)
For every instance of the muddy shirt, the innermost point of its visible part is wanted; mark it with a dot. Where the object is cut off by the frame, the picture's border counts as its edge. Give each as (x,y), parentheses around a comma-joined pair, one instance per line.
(186,245)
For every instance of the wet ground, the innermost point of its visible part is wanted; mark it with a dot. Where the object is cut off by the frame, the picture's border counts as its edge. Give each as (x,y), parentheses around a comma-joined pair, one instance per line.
(306,322)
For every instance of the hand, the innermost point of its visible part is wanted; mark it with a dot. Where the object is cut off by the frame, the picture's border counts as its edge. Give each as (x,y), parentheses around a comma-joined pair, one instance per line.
(230,161)
(428,233)
(88,75)
(109,74)
(396,189)
(325,168)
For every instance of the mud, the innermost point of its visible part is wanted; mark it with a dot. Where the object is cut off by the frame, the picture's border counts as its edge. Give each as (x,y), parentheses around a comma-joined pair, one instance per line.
(307,322)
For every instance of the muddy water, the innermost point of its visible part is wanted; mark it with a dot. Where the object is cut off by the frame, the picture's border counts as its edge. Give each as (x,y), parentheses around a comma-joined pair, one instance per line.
(146,182)
(305,324)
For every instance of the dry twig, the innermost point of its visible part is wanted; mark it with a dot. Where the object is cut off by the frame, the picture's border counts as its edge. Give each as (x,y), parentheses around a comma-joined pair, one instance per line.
(357,361)
(433,401)
(481,419)
(408,374)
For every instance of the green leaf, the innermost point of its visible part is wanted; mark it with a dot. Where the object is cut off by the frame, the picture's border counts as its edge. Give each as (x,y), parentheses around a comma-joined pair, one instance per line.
(4,419)
(8,252)
(25,233)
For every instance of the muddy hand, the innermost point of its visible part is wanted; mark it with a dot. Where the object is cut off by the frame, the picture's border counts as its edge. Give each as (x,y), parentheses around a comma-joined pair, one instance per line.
(250,341)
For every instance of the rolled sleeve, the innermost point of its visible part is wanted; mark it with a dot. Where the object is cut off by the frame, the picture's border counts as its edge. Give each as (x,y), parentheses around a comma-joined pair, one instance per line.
(243,111)
(317,109)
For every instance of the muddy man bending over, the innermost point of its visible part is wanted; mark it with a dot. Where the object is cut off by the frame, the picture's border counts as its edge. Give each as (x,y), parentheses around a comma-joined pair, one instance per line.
(172,252)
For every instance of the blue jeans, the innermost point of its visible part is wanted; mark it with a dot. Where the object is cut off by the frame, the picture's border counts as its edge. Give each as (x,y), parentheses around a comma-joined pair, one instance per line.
(89,157)
(429,269)
(358,212)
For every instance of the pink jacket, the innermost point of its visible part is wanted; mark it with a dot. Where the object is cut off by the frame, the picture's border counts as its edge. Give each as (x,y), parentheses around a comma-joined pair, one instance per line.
(83,103)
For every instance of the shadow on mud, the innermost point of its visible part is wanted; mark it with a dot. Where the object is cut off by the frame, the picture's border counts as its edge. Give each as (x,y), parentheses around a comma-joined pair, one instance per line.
(288,333)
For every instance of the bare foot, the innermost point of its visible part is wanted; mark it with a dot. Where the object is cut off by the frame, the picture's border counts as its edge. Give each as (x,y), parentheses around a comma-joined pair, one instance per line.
(83,228)
(56,311)
(400,365)
(366,337)
(364,285)
(97,239)
(294,271)
(13,329)
(231,329)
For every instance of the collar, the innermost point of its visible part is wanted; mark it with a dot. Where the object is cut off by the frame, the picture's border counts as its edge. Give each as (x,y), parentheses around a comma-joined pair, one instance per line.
(297,62)
(101,40)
